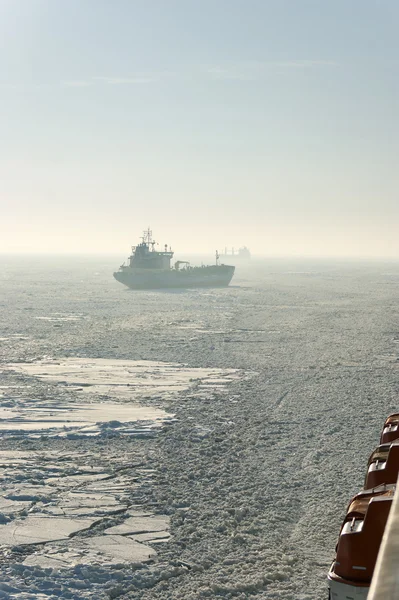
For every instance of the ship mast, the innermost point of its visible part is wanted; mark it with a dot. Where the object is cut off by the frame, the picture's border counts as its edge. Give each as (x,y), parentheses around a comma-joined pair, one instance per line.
(147,238)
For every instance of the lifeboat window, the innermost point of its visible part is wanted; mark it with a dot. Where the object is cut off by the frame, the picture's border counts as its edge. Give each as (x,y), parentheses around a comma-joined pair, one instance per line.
(354,526)
(377,465)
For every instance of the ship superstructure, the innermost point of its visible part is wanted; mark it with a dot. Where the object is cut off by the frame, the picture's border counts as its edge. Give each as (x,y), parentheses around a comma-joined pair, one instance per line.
(149,268)
(144,255)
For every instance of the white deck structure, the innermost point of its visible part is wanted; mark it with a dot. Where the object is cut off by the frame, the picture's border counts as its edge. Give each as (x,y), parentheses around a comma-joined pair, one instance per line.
(385,583)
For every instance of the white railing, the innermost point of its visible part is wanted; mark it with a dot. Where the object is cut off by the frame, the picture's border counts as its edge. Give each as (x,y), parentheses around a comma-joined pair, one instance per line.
(385,583)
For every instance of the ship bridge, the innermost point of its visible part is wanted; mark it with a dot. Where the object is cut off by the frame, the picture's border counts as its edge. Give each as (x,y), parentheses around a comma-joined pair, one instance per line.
(144,255)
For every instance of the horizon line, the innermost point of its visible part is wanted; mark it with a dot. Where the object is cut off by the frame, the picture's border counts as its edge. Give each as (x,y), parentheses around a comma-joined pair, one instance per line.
(254,256)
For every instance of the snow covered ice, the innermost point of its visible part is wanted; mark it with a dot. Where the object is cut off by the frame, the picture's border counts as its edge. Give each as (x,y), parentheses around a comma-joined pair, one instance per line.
(187,445)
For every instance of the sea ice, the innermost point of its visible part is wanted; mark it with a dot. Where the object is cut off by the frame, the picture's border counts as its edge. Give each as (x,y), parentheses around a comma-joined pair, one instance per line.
(84,504)
(36,530)
(122,549)
(9,507)
(153,536)
(97,550)
(127,381)
(140,525)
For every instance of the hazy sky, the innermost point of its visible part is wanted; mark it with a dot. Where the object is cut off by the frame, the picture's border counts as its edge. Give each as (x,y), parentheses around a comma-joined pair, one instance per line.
(270,123)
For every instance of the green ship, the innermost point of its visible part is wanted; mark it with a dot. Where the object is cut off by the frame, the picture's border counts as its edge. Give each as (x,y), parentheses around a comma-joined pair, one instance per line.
(149,269)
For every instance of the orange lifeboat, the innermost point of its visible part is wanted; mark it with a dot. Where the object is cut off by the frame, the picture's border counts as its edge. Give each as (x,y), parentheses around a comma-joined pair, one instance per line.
(383,465)
(390,431)
(358,544)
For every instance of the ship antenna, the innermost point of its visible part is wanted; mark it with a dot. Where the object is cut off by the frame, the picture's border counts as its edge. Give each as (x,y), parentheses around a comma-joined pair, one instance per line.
(147,238)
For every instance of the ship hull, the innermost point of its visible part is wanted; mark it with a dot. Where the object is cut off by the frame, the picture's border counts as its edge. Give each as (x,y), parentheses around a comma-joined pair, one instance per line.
(339,590)
(196,277)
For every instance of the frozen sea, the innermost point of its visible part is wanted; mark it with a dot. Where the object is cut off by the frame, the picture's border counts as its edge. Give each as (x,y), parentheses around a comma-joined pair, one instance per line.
(187,444)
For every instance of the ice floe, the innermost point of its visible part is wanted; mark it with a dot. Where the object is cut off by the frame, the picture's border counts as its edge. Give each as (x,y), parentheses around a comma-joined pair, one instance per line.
(123,378)
(36,530)
(135,525)
(98,550)
(57,513)
(104,380)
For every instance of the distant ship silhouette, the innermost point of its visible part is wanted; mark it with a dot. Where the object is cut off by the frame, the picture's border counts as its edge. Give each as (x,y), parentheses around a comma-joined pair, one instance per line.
(149,269)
